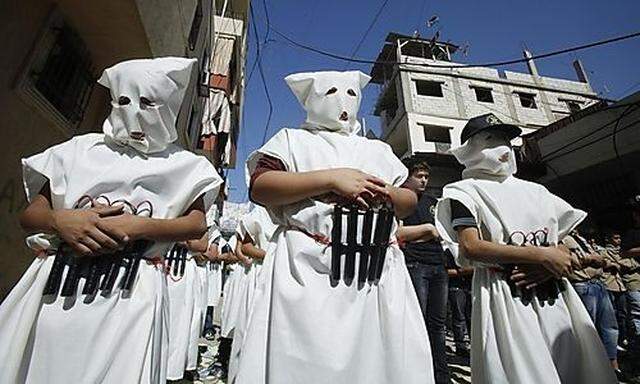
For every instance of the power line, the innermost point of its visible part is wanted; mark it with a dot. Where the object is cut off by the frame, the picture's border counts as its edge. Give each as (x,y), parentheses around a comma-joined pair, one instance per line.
(596,140)
(267,20)
(549,156)
(265,40)
(489,64)
(261,72)
(366,32)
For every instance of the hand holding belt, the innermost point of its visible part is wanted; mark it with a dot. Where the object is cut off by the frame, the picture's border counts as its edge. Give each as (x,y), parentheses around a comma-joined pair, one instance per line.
(546,291)
(105,266)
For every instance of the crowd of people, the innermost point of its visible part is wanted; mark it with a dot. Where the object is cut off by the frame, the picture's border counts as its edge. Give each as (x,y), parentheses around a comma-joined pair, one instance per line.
(340,274)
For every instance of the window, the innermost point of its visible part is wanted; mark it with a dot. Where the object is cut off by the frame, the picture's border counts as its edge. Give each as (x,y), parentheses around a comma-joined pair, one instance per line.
(429,88)
(436,134)
(203,74)
(58,77)
(65,80)
(195,26)
(483,94)
(527,100)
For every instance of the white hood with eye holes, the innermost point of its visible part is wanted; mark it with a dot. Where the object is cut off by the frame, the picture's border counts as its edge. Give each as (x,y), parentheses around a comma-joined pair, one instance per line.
(146,98)
(486,156)
(331,99)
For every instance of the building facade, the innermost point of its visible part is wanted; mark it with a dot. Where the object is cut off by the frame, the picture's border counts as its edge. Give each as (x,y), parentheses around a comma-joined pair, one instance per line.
(53,53)
(426,99)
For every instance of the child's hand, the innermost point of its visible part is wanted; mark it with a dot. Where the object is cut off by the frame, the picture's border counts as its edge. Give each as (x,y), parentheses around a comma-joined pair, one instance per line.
(127,224)
(197,246)
(85,232)
(212,253)
(556,261)
(357,186)
(530,275)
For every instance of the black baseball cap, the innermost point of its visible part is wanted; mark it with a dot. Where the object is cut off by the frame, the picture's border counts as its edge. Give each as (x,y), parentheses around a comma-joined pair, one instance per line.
(485,122)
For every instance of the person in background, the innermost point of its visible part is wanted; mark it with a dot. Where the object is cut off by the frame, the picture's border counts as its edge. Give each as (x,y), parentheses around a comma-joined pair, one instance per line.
(612,278)
(586,278)
(630,263)
(460,303)
(424,256)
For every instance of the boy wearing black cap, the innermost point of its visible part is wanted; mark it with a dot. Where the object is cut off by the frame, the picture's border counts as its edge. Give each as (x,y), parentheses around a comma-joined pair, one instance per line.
(528,324)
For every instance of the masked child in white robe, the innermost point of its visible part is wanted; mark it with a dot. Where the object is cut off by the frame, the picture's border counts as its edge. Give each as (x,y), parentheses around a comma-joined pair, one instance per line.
(230,307)
(528,324)
(97,194)
(256,229)
(185,291)
(304,327)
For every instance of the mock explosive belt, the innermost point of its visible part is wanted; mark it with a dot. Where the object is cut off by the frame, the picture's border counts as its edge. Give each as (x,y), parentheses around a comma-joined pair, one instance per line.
(545,291)
(372,251)
(176,260)
(100,272)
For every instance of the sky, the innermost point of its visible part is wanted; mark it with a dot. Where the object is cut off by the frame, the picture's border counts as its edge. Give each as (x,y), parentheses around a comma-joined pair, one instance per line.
(495,30)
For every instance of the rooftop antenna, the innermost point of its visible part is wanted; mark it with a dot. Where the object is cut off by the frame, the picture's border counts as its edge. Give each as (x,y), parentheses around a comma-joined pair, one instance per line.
(432,21)
(465,49)
(434,39)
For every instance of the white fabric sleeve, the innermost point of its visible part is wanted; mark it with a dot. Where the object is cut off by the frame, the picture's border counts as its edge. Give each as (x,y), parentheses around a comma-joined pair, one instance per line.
(278,146)
(214,235)
(390,162)
(444,223)
(203,180)
(568,217)
(48,166)
(233,243)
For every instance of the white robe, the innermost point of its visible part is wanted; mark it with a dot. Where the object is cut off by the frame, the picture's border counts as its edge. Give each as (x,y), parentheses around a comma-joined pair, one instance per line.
(214,283)
(258,225)
(185,307)
(232,291)
(303,330)
(214,275)
(197,320)
(114,339)
(513,342)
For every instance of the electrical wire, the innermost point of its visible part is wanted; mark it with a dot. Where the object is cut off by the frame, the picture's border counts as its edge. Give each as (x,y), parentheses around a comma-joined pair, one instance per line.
(489,64)
(366,32)
(262,77)
(549,157)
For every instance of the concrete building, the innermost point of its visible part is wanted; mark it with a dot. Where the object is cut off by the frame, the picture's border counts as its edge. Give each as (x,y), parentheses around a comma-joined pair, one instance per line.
(591,159)
(54,51)
(426,99)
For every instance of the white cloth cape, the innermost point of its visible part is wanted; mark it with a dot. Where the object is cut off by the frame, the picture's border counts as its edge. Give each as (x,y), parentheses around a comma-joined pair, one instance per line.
(231,291)
(258,225)
(214,275)
(303,330)
(58,341)
(214,284)
(187,307)
(184,314)
(513,342)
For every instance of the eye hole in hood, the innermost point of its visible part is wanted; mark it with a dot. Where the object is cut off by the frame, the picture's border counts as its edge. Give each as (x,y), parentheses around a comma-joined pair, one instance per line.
(331,91)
